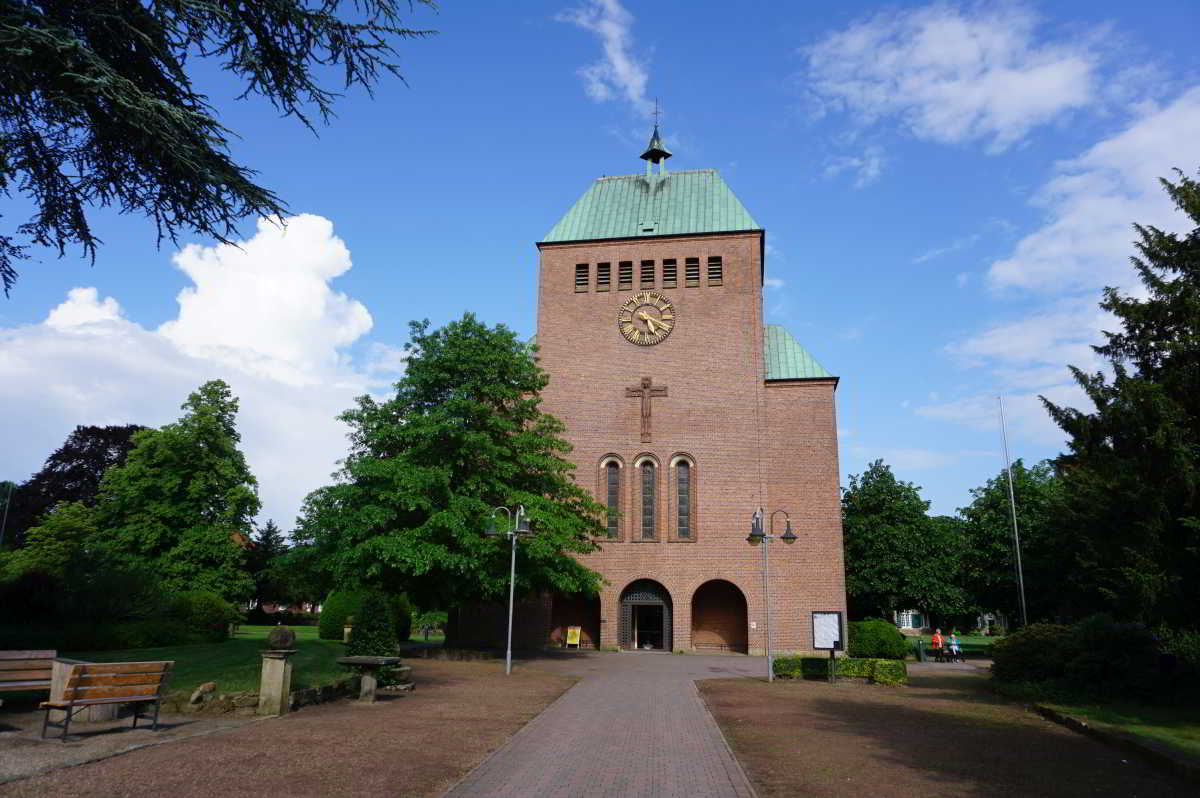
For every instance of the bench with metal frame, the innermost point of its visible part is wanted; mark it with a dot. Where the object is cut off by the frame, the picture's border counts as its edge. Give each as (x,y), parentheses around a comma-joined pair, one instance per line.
(26,670)
(88,684)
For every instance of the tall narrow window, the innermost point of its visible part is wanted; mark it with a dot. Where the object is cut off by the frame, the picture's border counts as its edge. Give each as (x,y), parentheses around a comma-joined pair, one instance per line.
(603,276)
(613,472)
(625,274)
(670,273)
(683,482)
(648,501)
(581,277)
(691,273)
(647,274)
(714,270)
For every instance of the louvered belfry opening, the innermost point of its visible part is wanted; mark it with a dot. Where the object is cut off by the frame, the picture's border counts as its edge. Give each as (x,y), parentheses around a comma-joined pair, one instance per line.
(645,617)
(719,617)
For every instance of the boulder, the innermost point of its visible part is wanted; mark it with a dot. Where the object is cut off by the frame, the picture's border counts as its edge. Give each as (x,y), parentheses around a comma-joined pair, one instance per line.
(201,693)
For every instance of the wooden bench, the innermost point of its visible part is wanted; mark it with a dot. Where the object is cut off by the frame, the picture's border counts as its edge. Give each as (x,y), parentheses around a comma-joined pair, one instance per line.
(87,684)
(26,670)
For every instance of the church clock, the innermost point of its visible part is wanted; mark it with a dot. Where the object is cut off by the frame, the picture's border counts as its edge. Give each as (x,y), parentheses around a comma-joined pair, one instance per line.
(646,318)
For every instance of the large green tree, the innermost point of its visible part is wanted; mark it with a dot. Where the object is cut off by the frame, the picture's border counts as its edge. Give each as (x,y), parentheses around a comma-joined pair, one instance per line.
(185,499)
(98,106)
(463,433)
(897,556)
(989,560)
(1131,477)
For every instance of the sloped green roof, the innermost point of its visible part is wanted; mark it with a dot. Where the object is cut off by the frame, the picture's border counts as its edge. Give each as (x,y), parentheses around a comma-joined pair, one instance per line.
(629,206)
(786,359)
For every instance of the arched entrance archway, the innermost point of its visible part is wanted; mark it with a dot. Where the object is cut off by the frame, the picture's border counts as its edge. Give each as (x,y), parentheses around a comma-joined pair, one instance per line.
(719,617)
(575,610)
(645,617)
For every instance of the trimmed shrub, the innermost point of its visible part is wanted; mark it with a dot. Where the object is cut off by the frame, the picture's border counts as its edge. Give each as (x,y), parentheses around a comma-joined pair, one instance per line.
(402,611)
(876,640)
(878,671)
(338,606)
(1104,657)
(1031,654)
(206,614)
(374,634)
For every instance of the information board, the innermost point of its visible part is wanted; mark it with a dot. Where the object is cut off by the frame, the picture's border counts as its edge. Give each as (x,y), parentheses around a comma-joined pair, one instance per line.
(827,631)
(573,635)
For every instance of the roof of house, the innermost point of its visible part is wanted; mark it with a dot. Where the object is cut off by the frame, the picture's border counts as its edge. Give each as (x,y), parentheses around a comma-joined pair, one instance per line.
(661,204)
(786,359)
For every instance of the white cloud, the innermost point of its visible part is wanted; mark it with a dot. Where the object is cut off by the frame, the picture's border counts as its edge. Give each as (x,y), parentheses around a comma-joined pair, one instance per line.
(866,168)
(906,459)
(263,318)
(956,245)
(83,307)
(955,74)
(774,282)
(620,73)
(961,279)
(1093,200)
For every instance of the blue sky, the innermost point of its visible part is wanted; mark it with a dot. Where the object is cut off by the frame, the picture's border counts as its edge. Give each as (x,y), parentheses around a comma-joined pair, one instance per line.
(946,188)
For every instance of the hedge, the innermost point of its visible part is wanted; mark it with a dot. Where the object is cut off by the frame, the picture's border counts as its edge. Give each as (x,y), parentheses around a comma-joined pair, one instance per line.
(343,604)
(876,640)
(875,670)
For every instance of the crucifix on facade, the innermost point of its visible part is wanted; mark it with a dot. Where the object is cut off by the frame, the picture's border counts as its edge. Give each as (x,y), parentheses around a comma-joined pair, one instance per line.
(645,391)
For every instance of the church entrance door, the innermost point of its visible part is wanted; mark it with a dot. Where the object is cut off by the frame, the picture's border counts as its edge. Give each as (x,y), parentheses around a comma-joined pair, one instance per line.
(645,617)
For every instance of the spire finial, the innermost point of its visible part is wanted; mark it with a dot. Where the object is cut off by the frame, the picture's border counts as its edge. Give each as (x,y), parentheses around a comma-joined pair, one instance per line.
(656,151)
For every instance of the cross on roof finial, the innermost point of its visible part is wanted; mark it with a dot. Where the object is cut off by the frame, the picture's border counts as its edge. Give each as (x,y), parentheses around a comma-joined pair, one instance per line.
(656,151)
(657,113)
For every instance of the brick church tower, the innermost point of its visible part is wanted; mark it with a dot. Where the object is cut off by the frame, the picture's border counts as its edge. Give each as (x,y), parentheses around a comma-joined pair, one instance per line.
(687,415)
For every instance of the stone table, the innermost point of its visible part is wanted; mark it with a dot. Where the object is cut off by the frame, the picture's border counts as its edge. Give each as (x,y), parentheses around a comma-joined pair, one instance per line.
(369,668)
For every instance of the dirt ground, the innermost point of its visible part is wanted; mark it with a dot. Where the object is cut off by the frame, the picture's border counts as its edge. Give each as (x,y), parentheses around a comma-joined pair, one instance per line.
(416,744)
(942,735)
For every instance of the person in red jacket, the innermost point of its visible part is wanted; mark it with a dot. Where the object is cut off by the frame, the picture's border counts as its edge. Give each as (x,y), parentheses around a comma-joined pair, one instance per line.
(939,644)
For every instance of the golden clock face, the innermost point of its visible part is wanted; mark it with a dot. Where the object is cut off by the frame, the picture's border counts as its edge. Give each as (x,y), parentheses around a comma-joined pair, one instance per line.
(646,318)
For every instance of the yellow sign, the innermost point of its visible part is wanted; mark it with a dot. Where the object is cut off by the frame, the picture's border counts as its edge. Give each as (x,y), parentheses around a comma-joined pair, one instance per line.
(573,635)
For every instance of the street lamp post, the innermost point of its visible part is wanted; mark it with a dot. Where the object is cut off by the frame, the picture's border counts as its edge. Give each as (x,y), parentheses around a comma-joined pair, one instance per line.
(756,537)
(518,525)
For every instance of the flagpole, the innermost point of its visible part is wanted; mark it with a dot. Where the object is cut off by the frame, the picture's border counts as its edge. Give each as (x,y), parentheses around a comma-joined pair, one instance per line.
(1012,504)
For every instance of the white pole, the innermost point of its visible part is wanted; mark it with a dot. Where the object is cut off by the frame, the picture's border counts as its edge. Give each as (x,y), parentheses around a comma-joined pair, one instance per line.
(4,524)
(1012,504)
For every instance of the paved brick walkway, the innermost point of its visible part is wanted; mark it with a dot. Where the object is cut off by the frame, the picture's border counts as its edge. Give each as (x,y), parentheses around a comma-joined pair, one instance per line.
(635,725)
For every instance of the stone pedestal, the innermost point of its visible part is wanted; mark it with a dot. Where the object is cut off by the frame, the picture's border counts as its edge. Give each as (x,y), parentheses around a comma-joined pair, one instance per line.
(346,633)
(275,688)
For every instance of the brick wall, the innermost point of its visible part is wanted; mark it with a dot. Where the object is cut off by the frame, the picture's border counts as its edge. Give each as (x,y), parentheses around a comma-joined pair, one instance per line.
(753,444)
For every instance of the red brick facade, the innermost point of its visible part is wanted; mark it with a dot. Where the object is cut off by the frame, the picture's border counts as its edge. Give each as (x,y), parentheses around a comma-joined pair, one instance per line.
(751,443)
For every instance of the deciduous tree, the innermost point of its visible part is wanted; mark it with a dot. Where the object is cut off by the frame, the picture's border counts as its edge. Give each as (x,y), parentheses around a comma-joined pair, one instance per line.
(897,557)
(463,433)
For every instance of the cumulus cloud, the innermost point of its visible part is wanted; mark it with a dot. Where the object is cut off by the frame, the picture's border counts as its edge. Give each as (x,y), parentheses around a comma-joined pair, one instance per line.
(954,74)
(1092,201)
(620,73)
(262,317)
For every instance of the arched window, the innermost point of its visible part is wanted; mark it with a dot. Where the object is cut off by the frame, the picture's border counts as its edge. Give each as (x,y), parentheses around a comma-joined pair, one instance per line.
(683,486)
(612,472)
(648,495)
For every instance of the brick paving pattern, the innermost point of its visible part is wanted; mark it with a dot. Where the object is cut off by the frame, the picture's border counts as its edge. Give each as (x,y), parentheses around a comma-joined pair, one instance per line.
(635,725)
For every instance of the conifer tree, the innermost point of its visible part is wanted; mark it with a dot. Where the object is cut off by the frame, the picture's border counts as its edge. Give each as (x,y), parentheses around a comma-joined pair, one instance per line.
(1131,477)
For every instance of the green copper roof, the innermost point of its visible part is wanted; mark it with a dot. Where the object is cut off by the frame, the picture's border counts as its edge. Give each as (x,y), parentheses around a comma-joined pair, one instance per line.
(630,206)
(786,359)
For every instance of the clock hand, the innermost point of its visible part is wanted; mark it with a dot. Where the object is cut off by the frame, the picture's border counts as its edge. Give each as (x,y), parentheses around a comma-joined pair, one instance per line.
(650,322)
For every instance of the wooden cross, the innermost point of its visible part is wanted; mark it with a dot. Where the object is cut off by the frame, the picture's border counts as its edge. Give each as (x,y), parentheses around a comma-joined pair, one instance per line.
(646,393)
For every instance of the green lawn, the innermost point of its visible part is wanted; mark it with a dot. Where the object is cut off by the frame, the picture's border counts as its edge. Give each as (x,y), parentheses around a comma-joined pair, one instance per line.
(1177,727)
(235,664)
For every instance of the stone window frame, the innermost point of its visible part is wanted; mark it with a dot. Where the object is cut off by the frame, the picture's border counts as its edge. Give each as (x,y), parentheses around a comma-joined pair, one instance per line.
(602,494)
(673,499)
(635,528)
